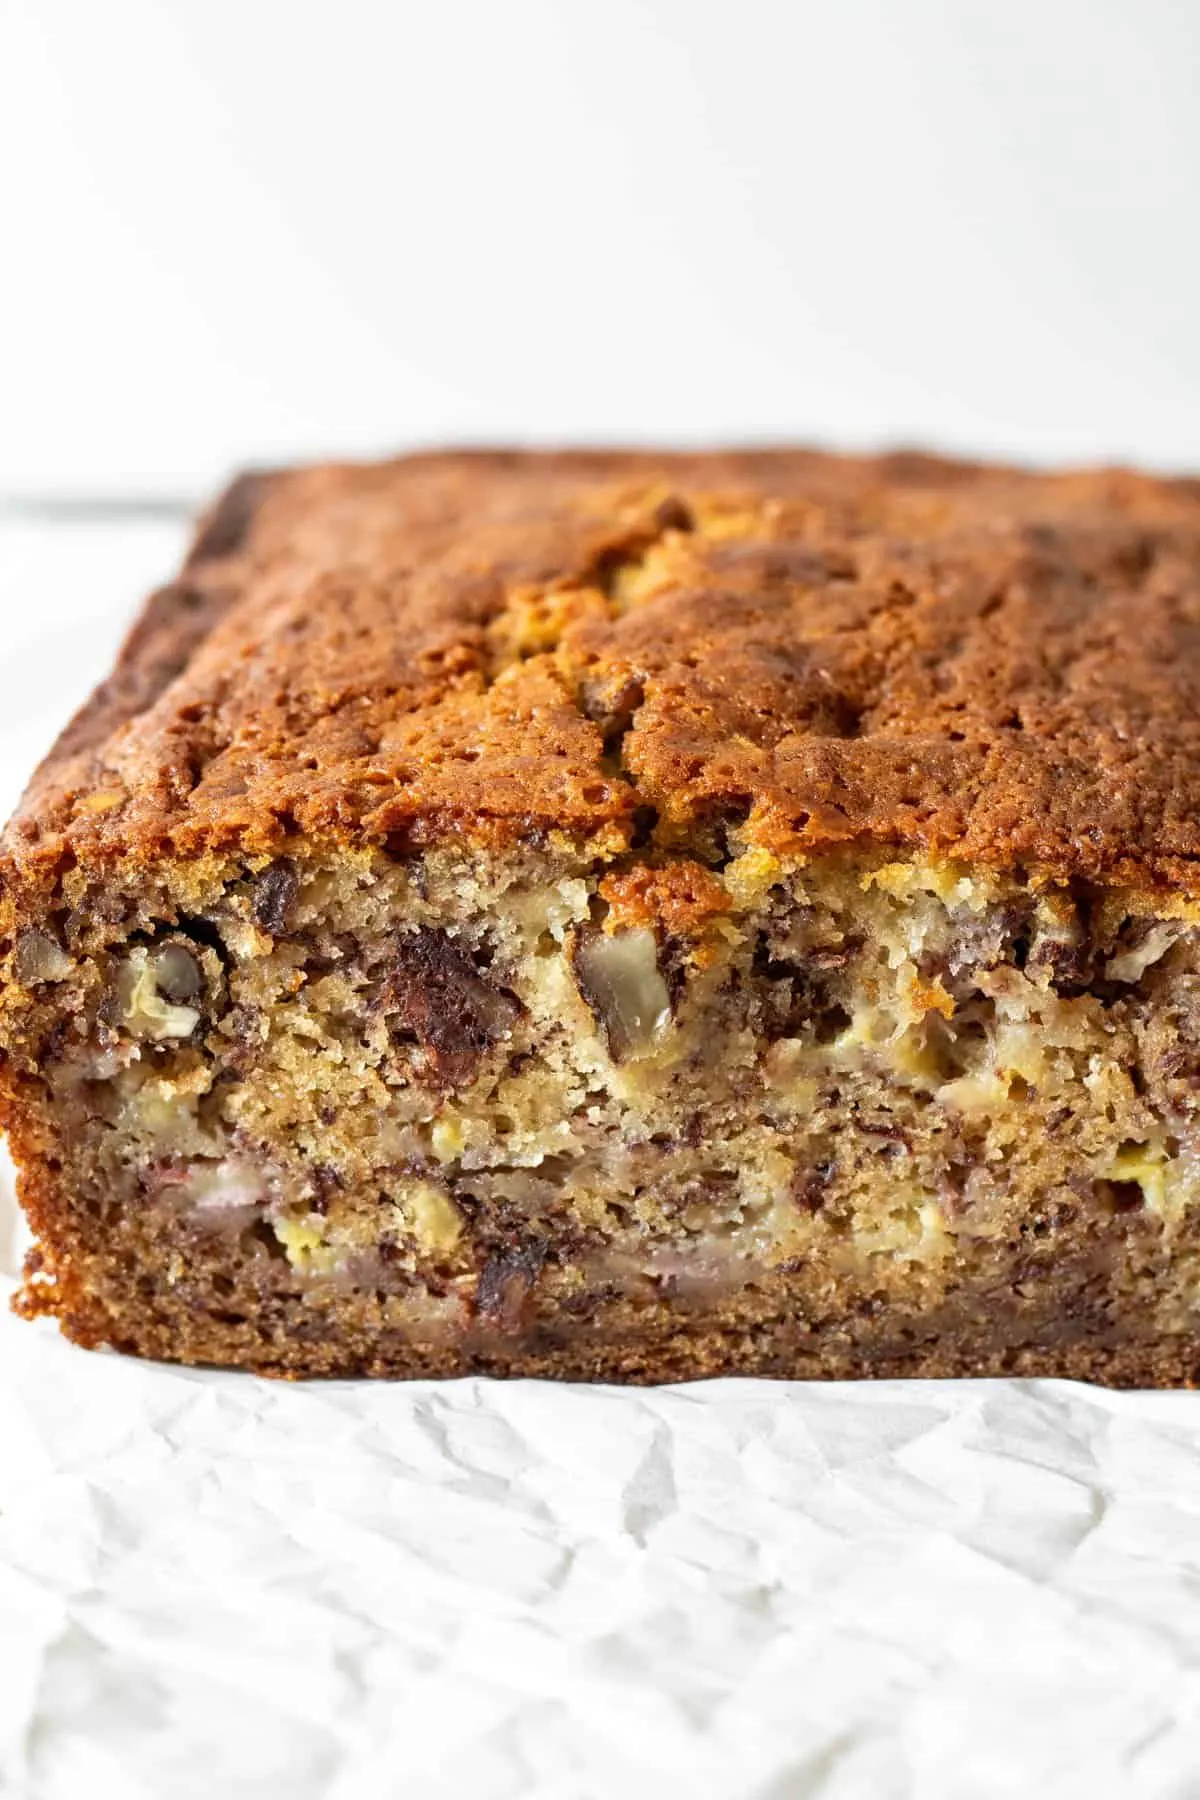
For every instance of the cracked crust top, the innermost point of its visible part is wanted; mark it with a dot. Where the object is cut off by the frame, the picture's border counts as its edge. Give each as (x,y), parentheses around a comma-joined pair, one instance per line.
(508,646)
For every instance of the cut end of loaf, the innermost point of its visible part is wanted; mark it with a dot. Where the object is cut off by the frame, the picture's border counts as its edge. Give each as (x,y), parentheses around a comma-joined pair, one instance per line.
(338,1114)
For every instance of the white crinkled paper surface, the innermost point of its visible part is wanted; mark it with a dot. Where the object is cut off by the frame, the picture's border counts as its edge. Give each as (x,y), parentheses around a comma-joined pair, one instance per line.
(215,1586)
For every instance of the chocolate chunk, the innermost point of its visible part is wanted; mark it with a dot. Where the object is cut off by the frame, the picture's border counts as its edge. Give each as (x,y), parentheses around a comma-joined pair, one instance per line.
(810,1185)
(590,1300)
(795,997)
(981,940)
(506,1282)
(1068,960)
(437,995)
(888,1130)
(274,896)
(327,1183)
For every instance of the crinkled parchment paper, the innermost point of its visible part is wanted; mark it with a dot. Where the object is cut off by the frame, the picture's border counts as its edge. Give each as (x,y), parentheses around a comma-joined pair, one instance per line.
(217,1587)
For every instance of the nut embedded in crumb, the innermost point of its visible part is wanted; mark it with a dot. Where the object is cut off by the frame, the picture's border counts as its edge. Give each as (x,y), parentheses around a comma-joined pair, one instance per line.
(1130,965)
(178,974)
(40,958)
(143,994)
(620,980)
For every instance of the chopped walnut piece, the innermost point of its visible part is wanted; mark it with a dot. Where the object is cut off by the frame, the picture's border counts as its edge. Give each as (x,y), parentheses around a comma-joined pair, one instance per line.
(178,974)
(39,958)
(1131,964)
(619,977)
(145,1010)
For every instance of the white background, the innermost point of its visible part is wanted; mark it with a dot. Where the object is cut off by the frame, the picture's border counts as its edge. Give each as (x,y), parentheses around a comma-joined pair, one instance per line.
(242,229)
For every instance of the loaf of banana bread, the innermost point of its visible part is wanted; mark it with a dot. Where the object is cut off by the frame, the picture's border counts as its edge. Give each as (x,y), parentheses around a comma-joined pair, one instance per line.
(628,916)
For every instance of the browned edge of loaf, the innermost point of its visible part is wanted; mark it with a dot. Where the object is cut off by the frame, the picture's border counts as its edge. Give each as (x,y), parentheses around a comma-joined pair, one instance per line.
(972,660)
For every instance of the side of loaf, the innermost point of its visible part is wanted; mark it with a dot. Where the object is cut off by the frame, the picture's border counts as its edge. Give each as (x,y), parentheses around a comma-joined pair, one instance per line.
(628,917)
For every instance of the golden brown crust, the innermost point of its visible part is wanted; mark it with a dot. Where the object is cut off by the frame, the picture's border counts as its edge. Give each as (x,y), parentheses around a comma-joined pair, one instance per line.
(985,662)
(681,897)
